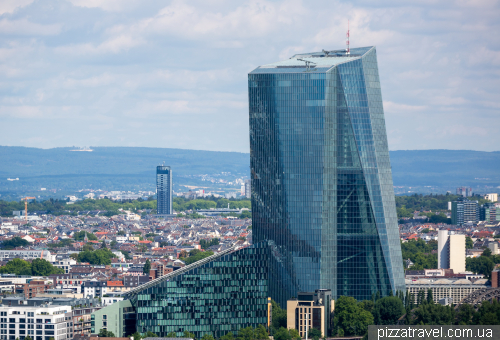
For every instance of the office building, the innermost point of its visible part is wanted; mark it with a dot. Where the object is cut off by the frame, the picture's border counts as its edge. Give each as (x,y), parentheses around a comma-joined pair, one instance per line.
(164,190)
(310,310)
(219,294)
(322,185)
(464,191)
(490,213)
(451,251)
(6,255)
(44,322)
(464,211)
(491,197)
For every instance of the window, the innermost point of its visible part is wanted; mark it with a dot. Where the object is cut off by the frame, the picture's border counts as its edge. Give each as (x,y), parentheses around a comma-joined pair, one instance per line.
(12,320)
(47,320)
(39,321)
(104,316)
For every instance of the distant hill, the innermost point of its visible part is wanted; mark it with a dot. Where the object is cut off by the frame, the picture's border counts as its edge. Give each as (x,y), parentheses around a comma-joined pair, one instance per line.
(133,168)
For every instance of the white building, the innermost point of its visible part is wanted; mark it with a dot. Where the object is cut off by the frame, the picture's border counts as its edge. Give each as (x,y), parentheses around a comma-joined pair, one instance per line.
(451,251)
(491,197)
(39,322)
(65,264)
(5,255)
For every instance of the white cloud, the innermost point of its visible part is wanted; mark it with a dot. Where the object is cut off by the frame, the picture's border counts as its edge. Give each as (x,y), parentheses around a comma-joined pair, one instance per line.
(9,6)
(175,72)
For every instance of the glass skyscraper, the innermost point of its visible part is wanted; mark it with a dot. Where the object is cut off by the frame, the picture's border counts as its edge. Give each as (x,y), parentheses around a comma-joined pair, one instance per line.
(164,190)
(322,187)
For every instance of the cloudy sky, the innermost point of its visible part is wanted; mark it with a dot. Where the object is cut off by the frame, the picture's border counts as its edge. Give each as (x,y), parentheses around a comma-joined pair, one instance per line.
(174,73)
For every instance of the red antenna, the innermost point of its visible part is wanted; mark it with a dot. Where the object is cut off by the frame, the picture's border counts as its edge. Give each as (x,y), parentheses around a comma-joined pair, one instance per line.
(348,51)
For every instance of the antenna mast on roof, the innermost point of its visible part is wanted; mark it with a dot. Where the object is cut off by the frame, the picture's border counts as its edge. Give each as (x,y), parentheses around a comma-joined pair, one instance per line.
(348,51)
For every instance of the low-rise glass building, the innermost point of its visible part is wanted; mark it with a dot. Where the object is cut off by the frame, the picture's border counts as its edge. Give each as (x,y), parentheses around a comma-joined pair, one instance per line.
(220,294)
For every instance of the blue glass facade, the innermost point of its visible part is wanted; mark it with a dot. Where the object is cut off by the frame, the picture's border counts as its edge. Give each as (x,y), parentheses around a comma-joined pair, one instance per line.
(217,295)
(164,190)
(321,178)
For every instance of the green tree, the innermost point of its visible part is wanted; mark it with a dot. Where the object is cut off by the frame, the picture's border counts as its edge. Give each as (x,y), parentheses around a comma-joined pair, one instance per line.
(147,267)
(388,310)
(433,314)
(480,265)
(246,333)
(430,298)
(103,333)
(282,334)
(278,316)
(469,244)
(260,333)
(96,257)
(188,335)
(486,252)
(314,333)
(149,334)
(14,243)
(28,338)
(350,317)
(207,337)
(16,266)
(172,335)
(464,314)
(41,267)
(228,336)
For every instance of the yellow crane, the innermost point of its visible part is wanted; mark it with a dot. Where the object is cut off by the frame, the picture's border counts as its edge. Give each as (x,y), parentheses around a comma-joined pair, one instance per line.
(26,206)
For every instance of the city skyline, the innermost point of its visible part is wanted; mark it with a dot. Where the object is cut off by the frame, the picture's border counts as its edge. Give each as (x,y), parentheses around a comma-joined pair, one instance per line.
(151,73)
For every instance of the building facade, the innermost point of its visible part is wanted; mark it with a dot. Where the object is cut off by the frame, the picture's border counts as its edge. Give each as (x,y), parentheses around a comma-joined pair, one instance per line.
(322,187)
(464,211)
(310,310)
(220,294)
(118,318)
(37,322)
(164,190)
(456,290)
(451,251)
(464,191)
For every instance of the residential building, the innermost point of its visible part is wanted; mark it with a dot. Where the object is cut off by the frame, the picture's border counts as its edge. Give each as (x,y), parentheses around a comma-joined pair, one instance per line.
(464,211)
(451,251)
(310,310)
(164,190)
(44,322)
(6,255)
(464,191)
(33,288)
(322,186)
(119,318)
(65,264)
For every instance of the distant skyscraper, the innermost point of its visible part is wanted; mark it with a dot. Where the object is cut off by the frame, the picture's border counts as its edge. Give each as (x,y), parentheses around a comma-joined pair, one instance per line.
(464,211)
(164,190)
(464,191)
(248,188)
(451,251)
(322,187)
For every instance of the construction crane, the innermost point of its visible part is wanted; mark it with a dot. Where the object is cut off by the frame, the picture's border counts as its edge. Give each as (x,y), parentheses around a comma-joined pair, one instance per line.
(26,206)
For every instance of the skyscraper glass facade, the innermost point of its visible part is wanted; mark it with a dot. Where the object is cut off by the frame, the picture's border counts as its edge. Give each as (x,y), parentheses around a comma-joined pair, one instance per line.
(164,190)
(322,186)
(217,295)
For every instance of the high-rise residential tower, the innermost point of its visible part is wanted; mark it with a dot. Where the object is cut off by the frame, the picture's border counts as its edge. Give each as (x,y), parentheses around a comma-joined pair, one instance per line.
(164,190)
(322,187)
